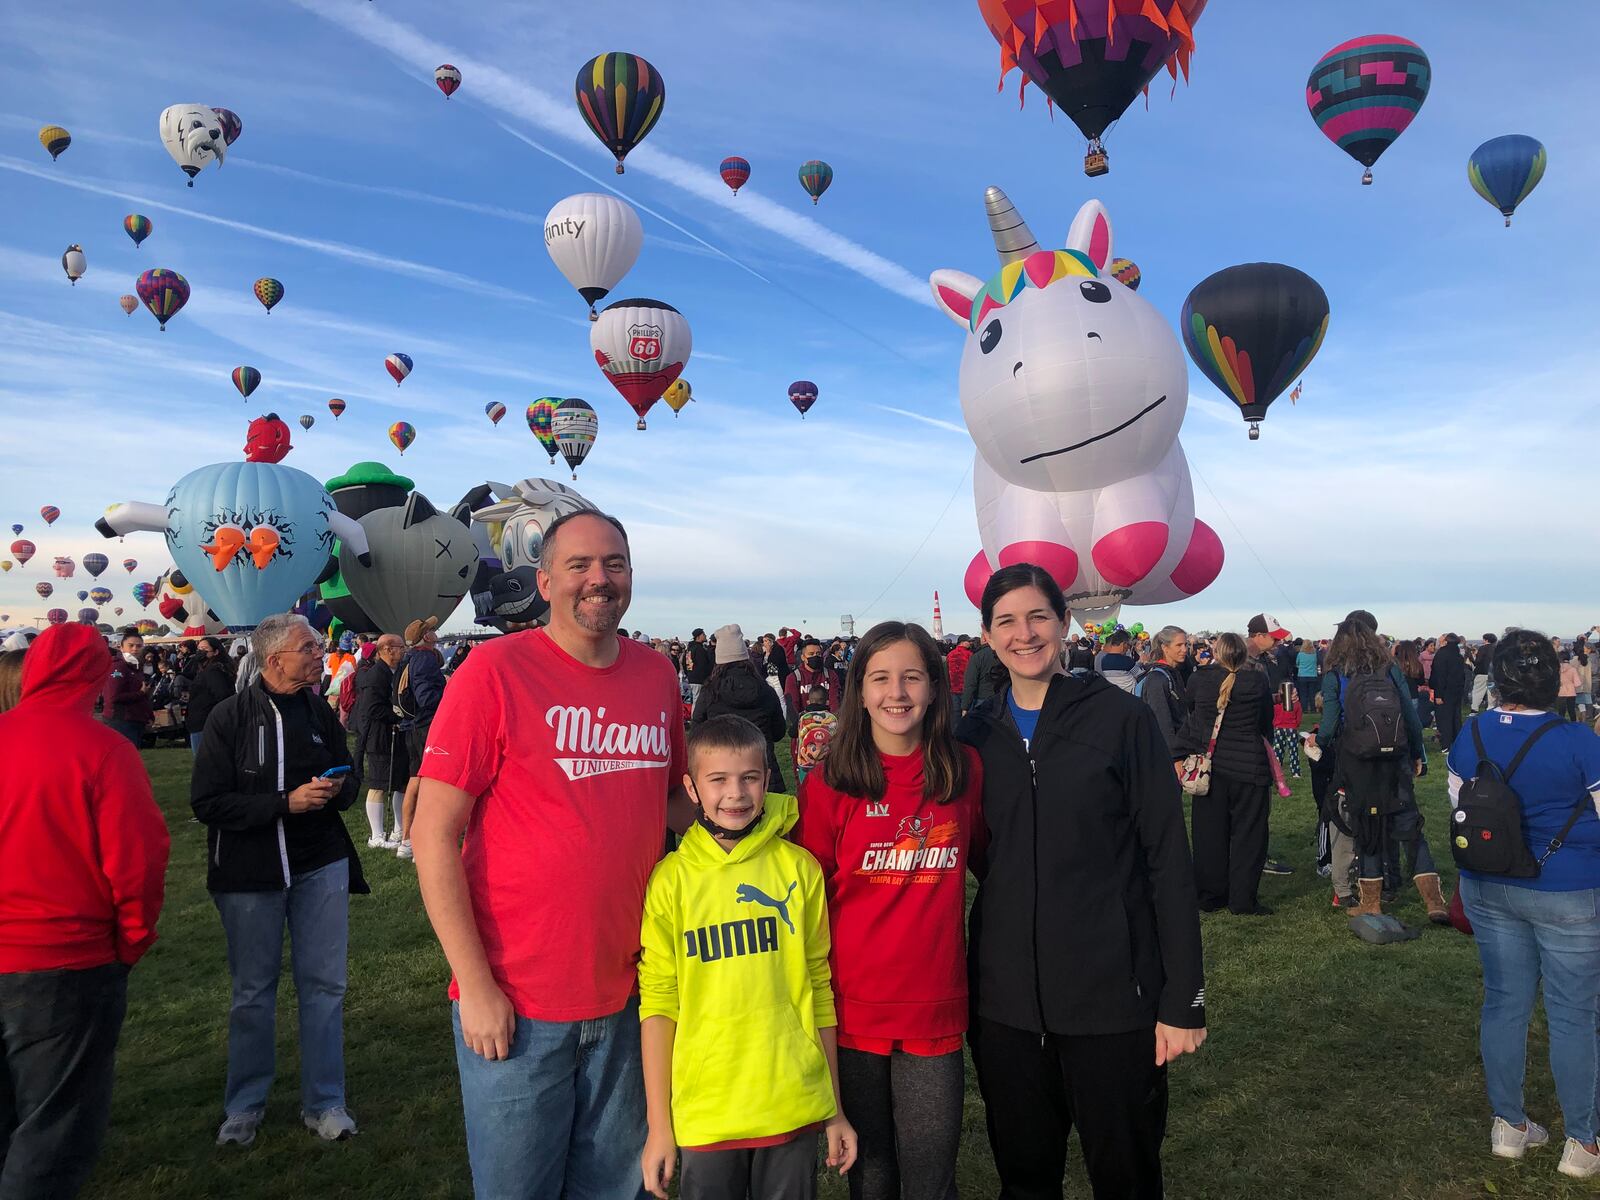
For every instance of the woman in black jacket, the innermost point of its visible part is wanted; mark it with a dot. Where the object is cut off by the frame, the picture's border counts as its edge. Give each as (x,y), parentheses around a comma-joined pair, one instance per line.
(736,687)
(1230,821)
(1084,944)
(213,683)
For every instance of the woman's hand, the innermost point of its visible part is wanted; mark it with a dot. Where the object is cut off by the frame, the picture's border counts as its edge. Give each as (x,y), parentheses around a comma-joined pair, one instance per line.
(1172,1041)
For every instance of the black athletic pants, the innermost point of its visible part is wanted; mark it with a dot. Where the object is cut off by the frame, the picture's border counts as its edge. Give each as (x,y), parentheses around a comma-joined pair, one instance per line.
(1230,844)
(1447,718)
(1037,1090)
(906,1111)
(783,1172)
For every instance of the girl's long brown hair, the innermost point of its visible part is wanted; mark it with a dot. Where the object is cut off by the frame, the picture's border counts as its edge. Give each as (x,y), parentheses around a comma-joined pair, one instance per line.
(853,766)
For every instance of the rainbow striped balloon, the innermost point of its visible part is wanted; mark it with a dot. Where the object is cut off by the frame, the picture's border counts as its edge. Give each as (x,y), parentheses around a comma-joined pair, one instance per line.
(620,97)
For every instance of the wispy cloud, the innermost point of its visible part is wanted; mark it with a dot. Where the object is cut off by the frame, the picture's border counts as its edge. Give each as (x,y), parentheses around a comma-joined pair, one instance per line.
(926,420)
(500,90)
(338,250)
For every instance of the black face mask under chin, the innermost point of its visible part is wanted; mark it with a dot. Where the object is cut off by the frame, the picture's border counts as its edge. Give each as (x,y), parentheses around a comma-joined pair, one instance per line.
(715,830)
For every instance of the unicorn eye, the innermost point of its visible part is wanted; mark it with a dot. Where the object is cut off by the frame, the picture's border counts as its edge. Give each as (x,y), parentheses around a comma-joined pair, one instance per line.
(990,338)
(1094,291)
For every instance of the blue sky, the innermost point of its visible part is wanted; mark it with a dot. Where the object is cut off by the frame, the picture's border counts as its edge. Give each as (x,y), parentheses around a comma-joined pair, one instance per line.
(1435,469)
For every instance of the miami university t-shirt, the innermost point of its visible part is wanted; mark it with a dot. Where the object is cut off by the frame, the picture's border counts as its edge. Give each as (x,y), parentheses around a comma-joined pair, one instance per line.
(571,766)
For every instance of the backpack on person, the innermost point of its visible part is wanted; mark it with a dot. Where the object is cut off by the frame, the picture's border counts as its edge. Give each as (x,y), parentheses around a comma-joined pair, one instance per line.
(347,696)
(1374,721)
(813,735)
(1486,824)
(405,698)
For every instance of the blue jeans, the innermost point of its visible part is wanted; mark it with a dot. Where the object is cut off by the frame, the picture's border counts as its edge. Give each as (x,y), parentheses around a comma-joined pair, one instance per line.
(194,742)
(562,1115)
(1525,935)
(316,908)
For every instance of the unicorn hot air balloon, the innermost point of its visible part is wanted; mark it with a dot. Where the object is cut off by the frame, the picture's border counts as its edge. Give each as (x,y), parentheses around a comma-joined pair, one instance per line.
(594,240)
(95,564)
(642,346)
(399,366)
(540,415)
(574,426)
(164,292)
(252,536)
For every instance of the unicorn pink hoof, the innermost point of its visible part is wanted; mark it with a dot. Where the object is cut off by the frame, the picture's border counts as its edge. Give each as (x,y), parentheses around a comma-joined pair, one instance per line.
(1201,562)
(1125,556)
(1061,562)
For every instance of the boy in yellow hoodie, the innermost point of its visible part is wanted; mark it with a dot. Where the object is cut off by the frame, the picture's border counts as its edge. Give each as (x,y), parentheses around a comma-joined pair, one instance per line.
(735,995)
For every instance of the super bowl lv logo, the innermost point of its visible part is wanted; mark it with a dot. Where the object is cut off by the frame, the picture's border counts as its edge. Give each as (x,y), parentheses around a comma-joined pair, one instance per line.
(644,341)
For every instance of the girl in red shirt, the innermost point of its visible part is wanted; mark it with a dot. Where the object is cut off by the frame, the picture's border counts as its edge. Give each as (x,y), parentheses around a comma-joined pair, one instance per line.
(893,817)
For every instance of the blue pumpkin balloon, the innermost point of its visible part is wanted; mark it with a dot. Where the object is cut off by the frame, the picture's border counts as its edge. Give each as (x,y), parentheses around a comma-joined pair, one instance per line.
(252,536)
(1505,169)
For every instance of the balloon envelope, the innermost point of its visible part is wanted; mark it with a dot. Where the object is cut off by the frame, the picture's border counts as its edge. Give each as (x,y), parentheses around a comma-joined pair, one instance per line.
(100,595)
(540,415)
(269,291)
(64,567)
(130,565)
(1365,92)
(232,126)
(815,176)
(575,426)
(494,410)
(164,292)
(336,406)
(803,394)
(402,434)
(1252,330)
(735,172)
(642,346)
(143,593)
(593,238)
(1126,272)
(128,303)
(447,78)
(56,616)
(54,139)
(49,512)
(95,563)
(44,589)
(620,97)
(307,421)
(74,263)
(138,227)
(246,379)
(22,550)
(87,616)
(679,394)
(193,136)
(1505,169)
(399,366)
(423,563)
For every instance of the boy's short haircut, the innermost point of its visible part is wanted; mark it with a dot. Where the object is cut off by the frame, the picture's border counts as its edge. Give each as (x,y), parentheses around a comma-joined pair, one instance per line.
(816,694)
(726,732)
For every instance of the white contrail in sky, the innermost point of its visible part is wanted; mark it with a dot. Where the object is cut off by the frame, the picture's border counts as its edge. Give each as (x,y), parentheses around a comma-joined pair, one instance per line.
(500,90)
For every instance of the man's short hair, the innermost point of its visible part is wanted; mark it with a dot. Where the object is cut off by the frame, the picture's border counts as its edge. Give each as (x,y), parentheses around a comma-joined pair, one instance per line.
(726,732)
(1118,637)
(275,632)
(546,555)
(129,631)
(697,632)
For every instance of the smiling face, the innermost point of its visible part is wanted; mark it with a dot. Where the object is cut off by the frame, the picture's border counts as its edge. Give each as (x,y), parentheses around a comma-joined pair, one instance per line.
(589,578)
(896,692)
(1025,634)
(729,786)
(1072,386)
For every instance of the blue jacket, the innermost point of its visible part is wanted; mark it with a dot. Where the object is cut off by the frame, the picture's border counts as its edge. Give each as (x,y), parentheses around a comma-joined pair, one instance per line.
(424,671)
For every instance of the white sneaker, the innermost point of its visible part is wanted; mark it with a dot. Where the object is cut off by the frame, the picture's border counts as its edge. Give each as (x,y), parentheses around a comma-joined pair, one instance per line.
(1578,1162)
(404,851)
(379,843)
(392,841)
(335,1125)
(239,1129)
(1507,1141)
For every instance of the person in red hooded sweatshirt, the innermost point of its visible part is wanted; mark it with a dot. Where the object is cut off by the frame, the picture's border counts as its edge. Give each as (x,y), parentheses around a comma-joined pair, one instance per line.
(83,860)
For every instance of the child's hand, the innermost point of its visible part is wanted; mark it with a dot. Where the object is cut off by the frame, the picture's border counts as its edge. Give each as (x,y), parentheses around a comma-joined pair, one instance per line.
(841,1143)
(659,1161)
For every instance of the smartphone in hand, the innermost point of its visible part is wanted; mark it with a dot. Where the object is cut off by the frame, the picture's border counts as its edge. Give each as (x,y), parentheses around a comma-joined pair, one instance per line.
(334,772)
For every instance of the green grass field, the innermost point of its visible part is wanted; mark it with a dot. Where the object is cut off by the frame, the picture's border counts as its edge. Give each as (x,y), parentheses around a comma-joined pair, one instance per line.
(1333,1069)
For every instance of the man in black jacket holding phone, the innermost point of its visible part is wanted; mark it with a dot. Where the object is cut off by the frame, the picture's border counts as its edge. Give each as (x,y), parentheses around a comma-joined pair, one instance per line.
(271,777)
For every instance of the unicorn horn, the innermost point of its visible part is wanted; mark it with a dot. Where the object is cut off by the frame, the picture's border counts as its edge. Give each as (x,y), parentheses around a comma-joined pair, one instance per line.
(1012,237)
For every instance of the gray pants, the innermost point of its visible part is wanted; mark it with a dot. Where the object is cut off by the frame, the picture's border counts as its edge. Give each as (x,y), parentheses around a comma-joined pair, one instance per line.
(1480,693)
(786,1172)
(906,1110)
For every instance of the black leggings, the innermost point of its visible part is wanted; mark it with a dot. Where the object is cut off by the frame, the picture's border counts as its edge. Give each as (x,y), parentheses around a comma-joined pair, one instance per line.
(906,1110)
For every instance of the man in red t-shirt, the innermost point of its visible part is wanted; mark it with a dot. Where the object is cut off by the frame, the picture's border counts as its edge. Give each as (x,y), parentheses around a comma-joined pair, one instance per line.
(557,753)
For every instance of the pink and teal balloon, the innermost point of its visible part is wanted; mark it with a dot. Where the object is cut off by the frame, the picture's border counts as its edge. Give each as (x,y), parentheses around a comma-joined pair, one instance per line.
(1365,92)
(402,434)
(138,227)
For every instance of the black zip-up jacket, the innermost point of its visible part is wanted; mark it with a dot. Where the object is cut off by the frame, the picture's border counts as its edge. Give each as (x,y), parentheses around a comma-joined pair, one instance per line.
(238,792)
(1239,755)
(212,685)
(1085,919)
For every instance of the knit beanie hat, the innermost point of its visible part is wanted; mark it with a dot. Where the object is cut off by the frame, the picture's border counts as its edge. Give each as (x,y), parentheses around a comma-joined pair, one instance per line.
(730,645)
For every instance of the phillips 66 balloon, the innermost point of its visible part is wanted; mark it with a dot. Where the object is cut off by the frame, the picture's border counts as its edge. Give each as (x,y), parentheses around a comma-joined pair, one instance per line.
(192,134)
(620,97)
(399,366)
(252,536)
(164,292)
(540,415)
(642,346)
(1505,169)
(594,240)
(1363,93)
(575,426)
(402,434)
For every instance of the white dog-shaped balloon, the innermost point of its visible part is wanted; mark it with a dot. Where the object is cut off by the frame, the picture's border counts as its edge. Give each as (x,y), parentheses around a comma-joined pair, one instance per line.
(1074,388)
(192,134)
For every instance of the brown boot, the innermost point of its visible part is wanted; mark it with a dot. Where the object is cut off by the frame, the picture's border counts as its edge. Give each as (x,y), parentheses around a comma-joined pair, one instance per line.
(1432,897)
(1371,899)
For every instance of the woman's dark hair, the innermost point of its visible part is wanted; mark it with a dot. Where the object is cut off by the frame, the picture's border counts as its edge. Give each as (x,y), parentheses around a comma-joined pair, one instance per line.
(853,766)
(1405,653)
(1356,650)
(1525,669)
(1010,579)
(10,678)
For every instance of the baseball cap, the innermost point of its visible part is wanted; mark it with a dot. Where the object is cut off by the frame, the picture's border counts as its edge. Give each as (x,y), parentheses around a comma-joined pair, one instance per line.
(416,629)
(1363,616)
(1267,623)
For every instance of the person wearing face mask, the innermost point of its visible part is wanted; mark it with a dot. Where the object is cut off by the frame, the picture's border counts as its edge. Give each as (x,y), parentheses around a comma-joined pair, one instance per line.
(213,683)
(811,672)
(1087,977)
(125,701)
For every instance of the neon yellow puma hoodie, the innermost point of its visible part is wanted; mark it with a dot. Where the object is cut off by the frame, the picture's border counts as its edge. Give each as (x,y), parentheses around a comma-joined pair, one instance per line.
(735,951)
